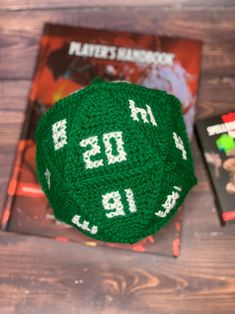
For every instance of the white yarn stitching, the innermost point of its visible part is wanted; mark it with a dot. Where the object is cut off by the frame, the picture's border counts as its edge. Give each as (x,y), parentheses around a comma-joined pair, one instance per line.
(84,225)
(131,201)
(180,145)
(117,203)
(93,141)
(169,203)
(108,147)
(59,134)
(48,177)
(135,110)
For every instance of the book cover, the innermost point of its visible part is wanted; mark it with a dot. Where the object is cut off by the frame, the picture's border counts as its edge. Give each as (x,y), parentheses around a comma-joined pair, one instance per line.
(217,141)
(70,58)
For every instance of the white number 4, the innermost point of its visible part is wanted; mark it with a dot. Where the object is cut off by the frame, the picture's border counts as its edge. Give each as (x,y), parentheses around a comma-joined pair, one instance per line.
(93,141)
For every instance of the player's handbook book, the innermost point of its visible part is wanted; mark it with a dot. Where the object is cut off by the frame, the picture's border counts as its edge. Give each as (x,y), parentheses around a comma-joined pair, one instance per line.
(70,58)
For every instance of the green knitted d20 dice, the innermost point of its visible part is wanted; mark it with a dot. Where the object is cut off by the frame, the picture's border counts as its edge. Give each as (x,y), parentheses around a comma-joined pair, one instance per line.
(114,160)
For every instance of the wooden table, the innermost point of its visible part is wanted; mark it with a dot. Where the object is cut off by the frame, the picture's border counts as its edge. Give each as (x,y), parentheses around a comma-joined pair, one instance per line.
(44,276)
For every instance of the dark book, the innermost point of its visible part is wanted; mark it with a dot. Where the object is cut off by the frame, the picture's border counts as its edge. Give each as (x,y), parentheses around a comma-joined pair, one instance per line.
(217,141)
(69,59)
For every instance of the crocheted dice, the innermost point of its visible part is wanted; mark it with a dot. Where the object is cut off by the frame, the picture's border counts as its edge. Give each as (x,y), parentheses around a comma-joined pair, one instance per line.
(114,160)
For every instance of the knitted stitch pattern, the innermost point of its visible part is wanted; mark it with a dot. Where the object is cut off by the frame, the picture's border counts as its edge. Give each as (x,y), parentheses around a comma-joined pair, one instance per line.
(114,160)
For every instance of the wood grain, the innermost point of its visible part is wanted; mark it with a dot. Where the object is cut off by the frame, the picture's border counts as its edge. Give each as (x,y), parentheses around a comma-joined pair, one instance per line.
(22,33)
(163,4)
(14,95)
(106,282)
(44,276)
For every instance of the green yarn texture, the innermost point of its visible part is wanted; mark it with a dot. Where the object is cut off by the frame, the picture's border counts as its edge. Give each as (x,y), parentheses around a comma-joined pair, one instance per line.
(114,160)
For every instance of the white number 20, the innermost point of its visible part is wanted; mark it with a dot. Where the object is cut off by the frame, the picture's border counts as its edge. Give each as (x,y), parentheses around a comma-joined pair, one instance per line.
(95,149)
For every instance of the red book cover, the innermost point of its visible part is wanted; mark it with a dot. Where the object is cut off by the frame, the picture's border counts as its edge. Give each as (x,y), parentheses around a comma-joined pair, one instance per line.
(69,59)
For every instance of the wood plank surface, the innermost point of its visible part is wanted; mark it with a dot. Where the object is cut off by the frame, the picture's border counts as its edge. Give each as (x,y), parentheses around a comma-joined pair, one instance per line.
(45,276)
(217,5)
(22,33)
(14,95)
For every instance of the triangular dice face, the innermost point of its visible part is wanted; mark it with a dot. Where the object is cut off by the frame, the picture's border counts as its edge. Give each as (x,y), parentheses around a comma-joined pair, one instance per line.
(52,138)
(105,139)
